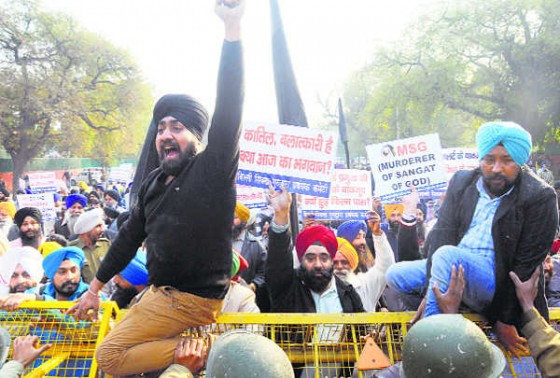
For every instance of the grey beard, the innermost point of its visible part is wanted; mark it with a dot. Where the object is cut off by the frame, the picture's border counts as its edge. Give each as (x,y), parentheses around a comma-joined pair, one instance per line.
(5,227)
(70,222)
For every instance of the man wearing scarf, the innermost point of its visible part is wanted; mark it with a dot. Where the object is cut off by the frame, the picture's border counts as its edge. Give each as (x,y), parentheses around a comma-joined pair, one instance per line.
(75,204)
(183,215)
(30,222)
(495,219)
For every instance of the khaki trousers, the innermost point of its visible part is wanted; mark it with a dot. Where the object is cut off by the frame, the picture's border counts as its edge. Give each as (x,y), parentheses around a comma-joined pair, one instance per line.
(147,336)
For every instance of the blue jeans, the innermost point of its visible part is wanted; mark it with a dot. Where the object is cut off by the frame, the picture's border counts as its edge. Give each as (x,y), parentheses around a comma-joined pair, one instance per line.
(408,277)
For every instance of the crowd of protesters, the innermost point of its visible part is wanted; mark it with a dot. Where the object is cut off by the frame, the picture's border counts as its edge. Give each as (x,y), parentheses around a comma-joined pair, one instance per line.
(187,251)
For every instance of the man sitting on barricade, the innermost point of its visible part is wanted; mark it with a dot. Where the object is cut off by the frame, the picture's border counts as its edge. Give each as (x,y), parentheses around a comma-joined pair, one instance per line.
(183,215)
(497,218)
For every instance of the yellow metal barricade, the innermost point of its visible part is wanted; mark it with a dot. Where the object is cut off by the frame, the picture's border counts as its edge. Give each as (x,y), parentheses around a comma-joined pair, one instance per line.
(73,343)
(318,345)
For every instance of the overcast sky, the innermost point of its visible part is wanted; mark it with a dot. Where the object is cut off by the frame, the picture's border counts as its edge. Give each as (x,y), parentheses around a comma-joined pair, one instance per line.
(176,43)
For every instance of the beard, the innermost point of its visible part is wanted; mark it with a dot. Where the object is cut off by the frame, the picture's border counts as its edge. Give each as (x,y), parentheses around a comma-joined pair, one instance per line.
(237,230)
(20,288)
(71,220)
(394,226)
(5,227)
(67,289)
(123,296)
(497,184)
(173,167)
(30,238)
(316,283)
(344,274)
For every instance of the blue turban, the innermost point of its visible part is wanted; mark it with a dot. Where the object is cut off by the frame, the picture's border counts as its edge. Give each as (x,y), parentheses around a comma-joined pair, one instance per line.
(515,139)
(73,198)
(52,262)
(136,272)
(349,230)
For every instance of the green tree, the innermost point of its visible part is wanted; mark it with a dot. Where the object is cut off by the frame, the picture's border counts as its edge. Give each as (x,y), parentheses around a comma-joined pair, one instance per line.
(63,87)
(464,63)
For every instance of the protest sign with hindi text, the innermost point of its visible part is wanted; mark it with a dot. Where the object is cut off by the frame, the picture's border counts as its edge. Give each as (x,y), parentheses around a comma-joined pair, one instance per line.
(299,158)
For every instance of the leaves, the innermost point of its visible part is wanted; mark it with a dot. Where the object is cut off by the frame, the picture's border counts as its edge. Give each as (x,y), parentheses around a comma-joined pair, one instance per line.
(62,87)
(462,64)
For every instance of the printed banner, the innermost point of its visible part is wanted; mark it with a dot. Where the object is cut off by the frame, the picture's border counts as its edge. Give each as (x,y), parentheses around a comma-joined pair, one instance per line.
(456,159)
(300,158)
(42,201)
(122,174)
(398,164)
(41,182)
(252,197)
(350,197)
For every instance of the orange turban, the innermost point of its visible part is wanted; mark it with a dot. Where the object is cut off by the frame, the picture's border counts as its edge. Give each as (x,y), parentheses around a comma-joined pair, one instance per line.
(8,208)
(242,212)
(392,207)
(349,252)
(313,234)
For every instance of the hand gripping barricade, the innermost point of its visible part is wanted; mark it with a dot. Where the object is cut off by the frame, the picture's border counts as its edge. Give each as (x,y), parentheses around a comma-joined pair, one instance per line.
(73,342)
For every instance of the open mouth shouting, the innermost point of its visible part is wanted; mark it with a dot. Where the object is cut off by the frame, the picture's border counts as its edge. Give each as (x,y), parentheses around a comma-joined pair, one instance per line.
(169,151)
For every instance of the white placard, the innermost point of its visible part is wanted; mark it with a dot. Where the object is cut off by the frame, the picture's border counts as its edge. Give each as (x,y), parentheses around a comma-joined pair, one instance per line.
(40,182)
(350,197)
(300,158)
(398,164)
(42,201)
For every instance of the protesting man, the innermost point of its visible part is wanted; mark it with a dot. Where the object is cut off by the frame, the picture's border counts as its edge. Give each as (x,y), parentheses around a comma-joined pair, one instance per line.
(369,285)
(354,232)
(89,228)
(184,213)
(29,221)
(63,269)
(21,271)
(313,287)
(7,226)
(75,204)
(497,218)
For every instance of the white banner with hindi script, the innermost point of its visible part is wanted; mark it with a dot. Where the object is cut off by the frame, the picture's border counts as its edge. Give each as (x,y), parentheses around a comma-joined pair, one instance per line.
(300,158)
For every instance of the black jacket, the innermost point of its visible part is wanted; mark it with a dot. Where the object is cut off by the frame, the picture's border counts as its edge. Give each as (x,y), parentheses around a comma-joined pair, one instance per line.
(523,230)
(187,224)
(287,291)
(255,253)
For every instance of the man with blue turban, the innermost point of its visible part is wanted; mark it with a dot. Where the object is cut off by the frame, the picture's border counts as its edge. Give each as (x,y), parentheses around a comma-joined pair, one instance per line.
(130,281)
(497,218)
(63,268)
(75,205)
(354,231)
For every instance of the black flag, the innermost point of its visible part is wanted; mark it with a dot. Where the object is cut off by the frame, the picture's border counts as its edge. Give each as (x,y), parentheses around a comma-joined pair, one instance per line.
(148,161)
(343,133)
(288,100)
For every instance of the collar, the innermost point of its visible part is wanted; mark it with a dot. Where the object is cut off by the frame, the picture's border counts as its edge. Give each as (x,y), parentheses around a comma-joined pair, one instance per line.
(482,190)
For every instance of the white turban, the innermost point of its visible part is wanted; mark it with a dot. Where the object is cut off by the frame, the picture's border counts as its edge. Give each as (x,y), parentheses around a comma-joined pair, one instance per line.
(29,258)
(88,220)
